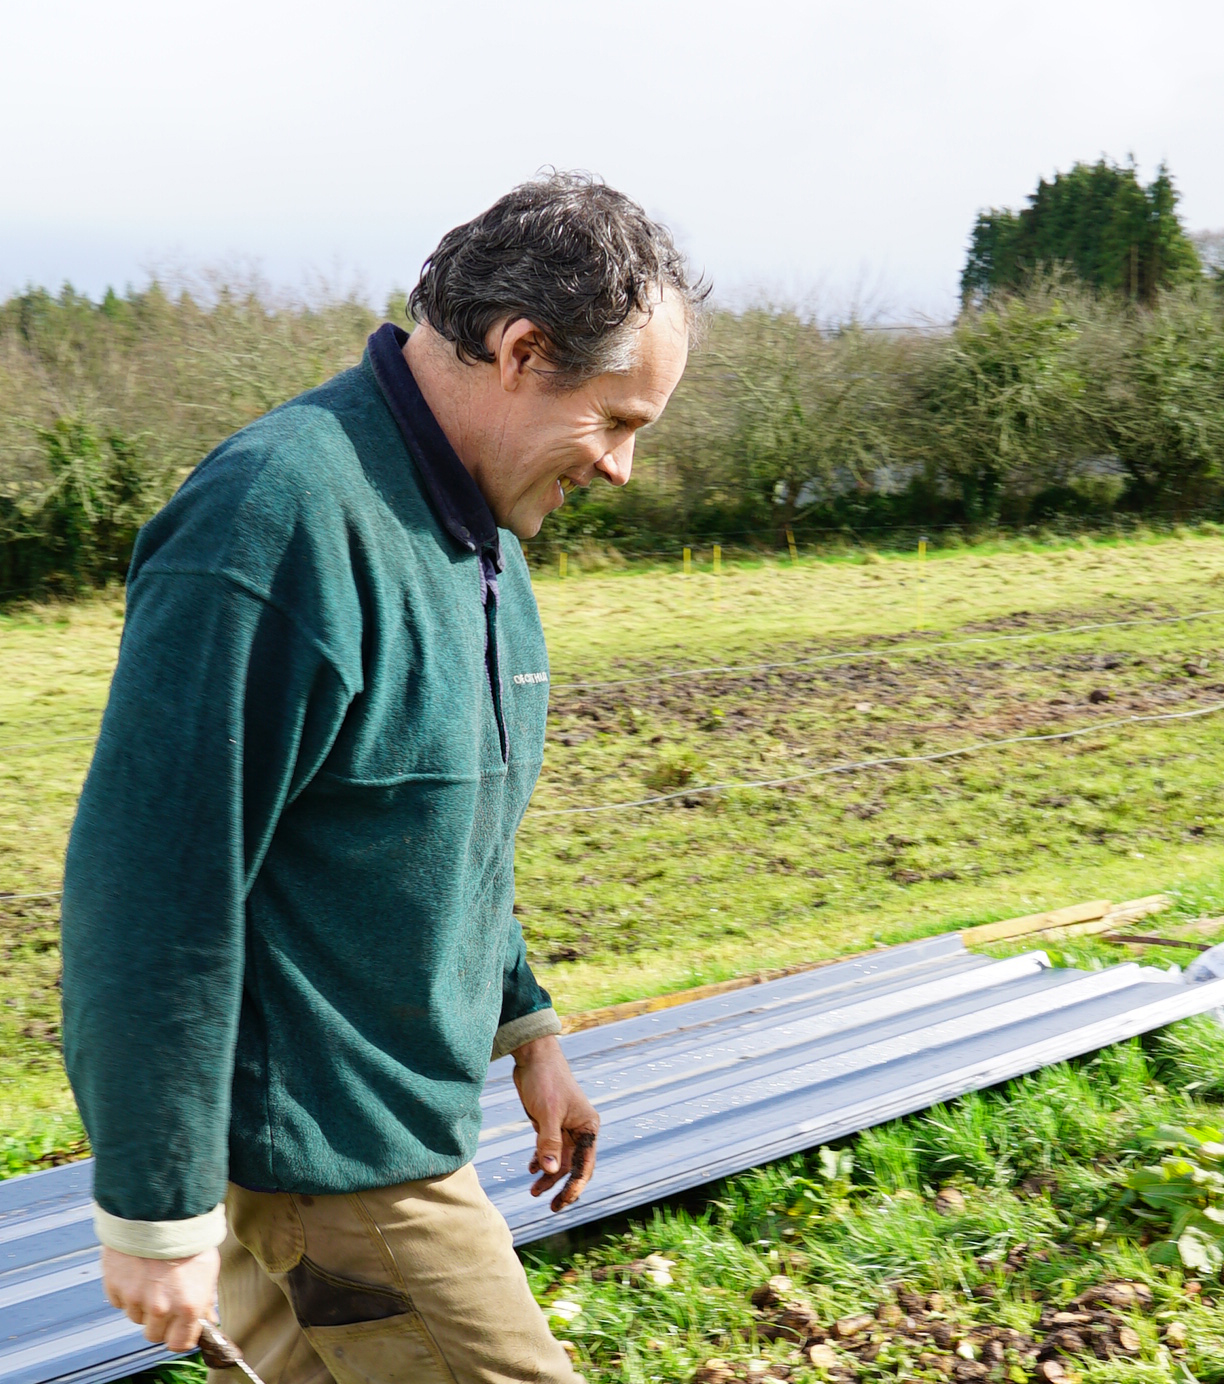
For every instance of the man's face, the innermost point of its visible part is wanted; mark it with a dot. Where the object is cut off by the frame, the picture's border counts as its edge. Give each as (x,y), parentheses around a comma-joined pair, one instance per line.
(553,439)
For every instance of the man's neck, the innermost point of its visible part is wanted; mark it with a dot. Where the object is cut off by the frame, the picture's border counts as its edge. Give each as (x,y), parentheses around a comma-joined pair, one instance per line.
(447,393)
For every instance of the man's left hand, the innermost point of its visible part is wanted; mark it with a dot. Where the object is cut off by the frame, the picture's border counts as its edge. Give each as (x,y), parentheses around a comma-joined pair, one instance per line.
(566,1123)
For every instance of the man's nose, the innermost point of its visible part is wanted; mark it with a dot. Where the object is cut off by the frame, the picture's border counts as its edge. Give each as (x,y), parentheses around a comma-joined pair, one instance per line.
(617,466)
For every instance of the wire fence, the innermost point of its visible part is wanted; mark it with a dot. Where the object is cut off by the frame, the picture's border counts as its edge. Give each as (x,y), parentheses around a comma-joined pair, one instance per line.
(881,761)
(823,771)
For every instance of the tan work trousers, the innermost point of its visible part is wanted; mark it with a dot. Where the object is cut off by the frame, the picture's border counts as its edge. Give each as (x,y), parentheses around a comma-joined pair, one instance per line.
(414,1284)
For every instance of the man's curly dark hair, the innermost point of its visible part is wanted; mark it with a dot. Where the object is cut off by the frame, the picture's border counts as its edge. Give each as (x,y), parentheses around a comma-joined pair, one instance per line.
(579,259)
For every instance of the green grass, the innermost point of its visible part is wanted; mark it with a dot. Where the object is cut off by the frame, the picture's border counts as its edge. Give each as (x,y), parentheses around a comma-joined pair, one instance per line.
(621,904)
(1038,1162)
(191,1370)
(701,888)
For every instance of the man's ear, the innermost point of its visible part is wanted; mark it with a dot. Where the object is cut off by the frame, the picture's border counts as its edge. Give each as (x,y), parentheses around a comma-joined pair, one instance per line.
(520,352)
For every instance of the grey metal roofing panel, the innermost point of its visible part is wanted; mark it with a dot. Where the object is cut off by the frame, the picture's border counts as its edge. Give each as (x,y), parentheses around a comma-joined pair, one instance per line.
(687,1094)
(726,1083)
(54,1321)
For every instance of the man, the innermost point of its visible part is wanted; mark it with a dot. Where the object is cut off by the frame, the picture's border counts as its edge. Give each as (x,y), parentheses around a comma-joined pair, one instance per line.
(289,944)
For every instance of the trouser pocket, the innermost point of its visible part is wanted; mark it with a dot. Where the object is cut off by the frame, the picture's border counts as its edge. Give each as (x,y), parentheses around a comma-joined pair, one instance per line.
(391,1350)
(321,1298)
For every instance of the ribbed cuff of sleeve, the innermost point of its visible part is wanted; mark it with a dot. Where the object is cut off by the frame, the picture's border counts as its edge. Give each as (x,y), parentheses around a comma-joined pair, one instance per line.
(161,1239)
(519,1031)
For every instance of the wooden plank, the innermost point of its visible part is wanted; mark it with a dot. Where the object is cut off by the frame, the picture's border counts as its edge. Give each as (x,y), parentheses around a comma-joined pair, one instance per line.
(1098,916)
(1076,913)
(631,1009)
(1123,913)
(1120,915)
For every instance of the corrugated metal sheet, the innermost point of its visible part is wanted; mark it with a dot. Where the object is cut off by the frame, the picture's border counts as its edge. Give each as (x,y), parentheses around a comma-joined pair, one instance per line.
(54,1321)
(687,1095)
(727,1083)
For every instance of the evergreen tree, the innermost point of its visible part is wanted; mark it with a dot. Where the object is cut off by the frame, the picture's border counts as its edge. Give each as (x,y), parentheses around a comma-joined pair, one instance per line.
(1098,221)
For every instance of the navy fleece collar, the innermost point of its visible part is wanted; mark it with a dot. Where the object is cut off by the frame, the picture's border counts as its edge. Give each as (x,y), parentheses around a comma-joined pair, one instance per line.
(455,497)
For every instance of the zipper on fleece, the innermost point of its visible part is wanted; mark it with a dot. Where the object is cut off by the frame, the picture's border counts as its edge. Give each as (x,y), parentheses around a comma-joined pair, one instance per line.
(490,597)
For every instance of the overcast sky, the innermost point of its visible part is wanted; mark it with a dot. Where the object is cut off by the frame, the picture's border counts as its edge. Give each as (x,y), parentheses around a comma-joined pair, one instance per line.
(831,152)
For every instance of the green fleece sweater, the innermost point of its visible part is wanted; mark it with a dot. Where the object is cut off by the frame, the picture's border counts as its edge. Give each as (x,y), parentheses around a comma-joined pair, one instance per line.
(289,940)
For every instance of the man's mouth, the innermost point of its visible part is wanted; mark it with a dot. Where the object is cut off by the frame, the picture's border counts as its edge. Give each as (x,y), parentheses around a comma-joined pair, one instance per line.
(566,484)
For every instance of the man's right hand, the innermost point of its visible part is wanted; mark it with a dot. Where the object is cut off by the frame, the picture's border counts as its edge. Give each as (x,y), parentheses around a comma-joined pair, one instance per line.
(165,1296)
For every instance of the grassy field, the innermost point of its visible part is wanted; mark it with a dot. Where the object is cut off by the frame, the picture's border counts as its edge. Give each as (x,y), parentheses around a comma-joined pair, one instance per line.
(616,904)
(714,883)
(793,674)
